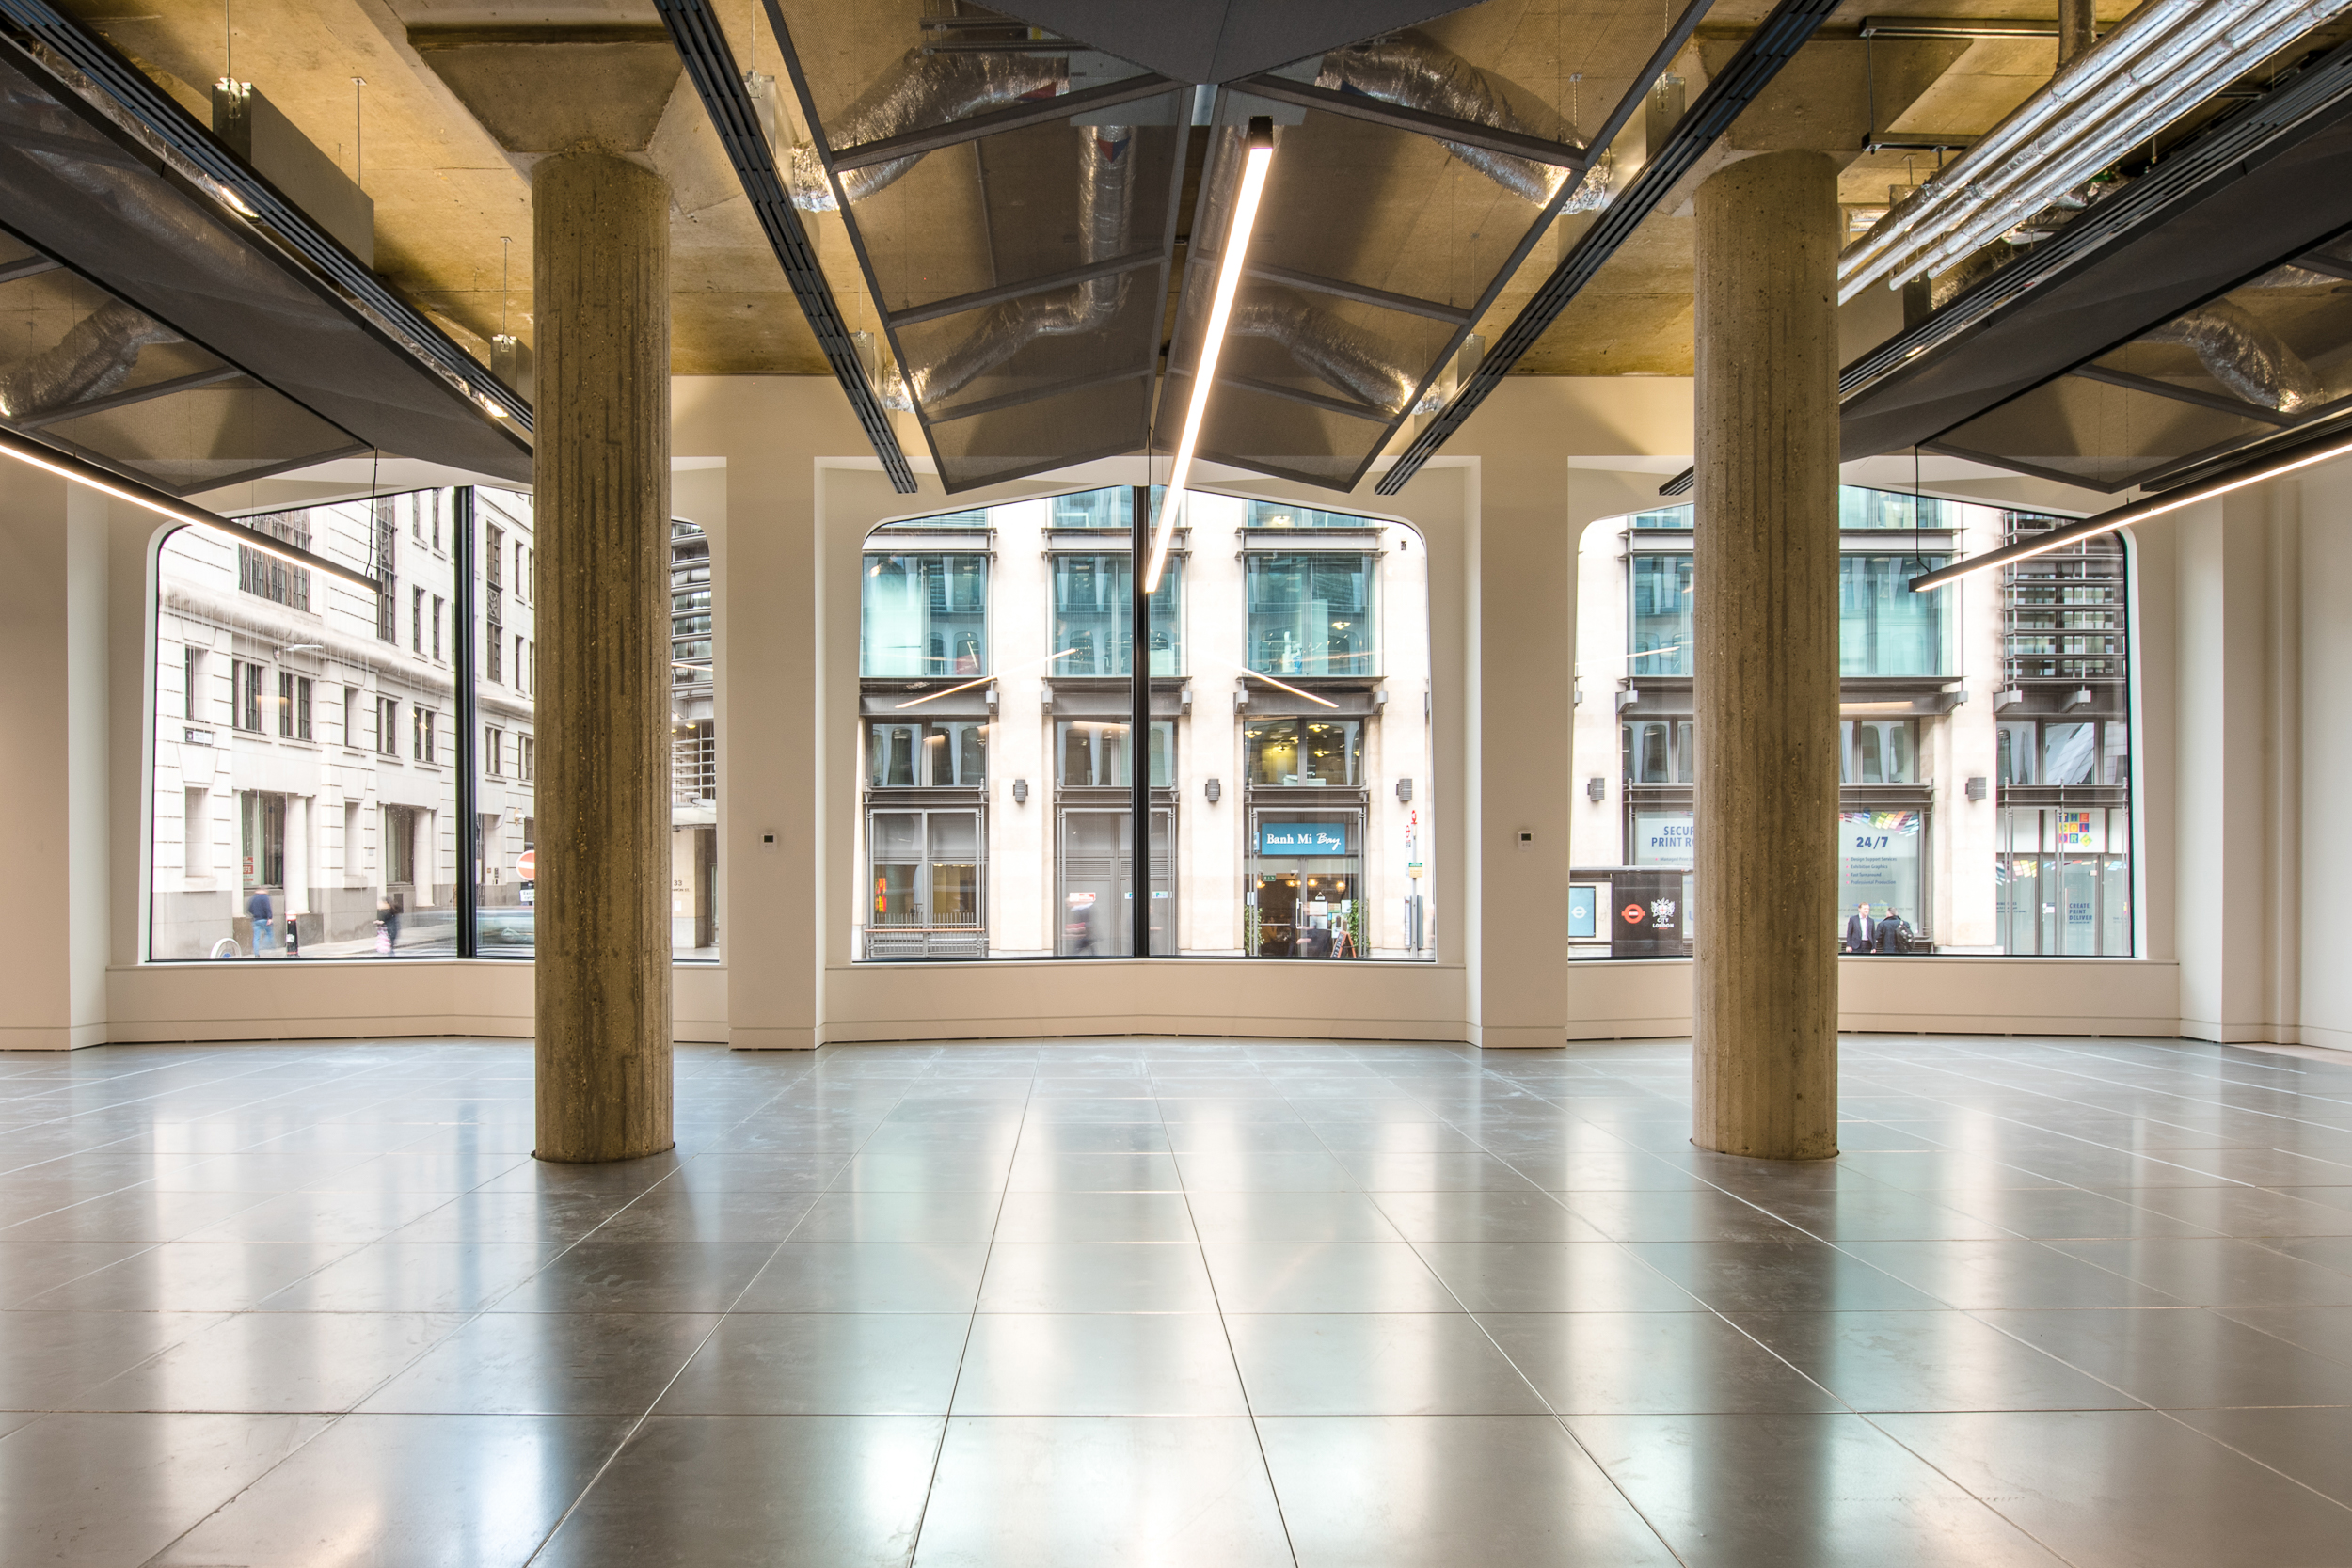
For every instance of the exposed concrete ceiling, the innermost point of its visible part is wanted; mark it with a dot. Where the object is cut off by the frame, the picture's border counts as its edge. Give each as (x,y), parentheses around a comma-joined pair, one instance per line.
(453,204)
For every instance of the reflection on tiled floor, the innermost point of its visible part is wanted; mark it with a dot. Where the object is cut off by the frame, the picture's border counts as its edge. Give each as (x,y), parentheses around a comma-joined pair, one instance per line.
(2058,1301)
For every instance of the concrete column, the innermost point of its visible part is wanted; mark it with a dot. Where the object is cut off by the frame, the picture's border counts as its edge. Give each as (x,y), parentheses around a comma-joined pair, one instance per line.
(601,278)
(1765,598)
(2078,26)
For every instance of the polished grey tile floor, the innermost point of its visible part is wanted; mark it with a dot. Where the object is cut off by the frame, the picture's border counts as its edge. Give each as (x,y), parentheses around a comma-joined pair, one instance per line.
(1224,1304)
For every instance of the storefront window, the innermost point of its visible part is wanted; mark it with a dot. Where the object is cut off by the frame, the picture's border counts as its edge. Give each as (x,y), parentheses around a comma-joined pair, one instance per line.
(926,897)
(1306,875)
(1881,856)
(2063,879)
(1096,908)
(1092,607)
(925,616)
(1662,837)
(1312,614)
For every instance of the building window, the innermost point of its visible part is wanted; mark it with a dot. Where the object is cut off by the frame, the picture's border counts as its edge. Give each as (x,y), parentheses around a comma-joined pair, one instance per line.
(1884,628)
(293,705)
(1659,625)
(925,615)
(1092,611)
(245,694)
(938,754)
(1282,753)
(196,833)
(493,751)
(386,534)
(1660,751)
(400,847)
(192,683)
(526,758)
(1879,750)
(1312,614)
(416,620)
(423,734)
(270,577)
(263,817)
(436,625)
(1093,754)
(388,725)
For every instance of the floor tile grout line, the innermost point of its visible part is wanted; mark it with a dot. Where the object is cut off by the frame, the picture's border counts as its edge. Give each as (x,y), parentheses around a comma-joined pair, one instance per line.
(1225,1328)
(971,1325)
(720,1317)
(467,1318)
(1567,1430)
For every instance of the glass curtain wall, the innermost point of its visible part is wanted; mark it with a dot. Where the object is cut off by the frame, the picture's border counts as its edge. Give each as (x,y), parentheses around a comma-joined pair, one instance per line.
(305,793)
(1285,756)
(341,774)
(1984,745)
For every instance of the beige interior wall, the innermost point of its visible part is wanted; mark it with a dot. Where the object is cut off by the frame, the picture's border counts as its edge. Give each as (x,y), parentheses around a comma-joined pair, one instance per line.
(783,486)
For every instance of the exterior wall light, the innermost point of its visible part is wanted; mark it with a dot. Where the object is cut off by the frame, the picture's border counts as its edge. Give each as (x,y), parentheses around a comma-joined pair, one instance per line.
(1974,788)
(1403,790)
(1596,789)
(1020,792)
(1211,791)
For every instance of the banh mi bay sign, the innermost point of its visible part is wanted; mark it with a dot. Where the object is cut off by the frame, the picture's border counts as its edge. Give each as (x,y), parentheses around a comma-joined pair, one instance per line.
(1302,838)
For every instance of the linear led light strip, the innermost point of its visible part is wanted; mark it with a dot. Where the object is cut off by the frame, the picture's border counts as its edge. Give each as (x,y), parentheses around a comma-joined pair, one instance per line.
(2140,78)
(2091,528)
(1246,199)
(65,466)
(1262,675)
(983,680)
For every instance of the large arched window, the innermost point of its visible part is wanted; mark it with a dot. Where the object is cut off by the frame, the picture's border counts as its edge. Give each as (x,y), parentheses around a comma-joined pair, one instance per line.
(1284,757)
(1985,735)
(346,775)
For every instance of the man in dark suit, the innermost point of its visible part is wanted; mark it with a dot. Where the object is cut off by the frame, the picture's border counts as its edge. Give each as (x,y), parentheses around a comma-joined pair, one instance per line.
(1861,934)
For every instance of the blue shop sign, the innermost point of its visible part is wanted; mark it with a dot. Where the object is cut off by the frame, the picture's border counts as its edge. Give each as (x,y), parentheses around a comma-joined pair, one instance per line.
(1302,838)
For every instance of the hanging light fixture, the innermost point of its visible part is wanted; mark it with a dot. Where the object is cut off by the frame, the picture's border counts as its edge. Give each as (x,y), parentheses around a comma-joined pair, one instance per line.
(1258,155)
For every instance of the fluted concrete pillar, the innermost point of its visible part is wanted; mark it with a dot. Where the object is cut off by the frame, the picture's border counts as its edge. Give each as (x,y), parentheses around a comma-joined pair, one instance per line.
(601,280)
(1765,601)
(2078,27)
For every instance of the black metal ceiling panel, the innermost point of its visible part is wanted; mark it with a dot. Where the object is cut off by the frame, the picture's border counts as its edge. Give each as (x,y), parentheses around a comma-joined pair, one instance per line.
(1411,178)
(2075,360)
(83,190)
(1011,203)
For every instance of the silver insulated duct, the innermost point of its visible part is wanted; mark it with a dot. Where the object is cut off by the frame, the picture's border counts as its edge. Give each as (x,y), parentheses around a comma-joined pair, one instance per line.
(92,360)
(1416,71)
(2243,354)
(1105,201)
(1325,347)
(921,89)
